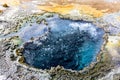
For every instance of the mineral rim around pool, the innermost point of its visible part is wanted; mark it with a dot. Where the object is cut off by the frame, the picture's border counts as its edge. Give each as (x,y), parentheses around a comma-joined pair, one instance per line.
(56,41)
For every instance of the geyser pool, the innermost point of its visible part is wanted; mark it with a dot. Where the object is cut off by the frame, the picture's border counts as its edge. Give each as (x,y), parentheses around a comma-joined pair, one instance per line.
(68,43)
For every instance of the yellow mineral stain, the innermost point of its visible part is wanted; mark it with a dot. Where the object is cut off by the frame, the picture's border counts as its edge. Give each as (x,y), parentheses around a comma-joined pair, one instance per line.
(10,2)
(24,6)
(113,42)
(118,18)
(113,45)
(65,9)
(13,2)
(62,9)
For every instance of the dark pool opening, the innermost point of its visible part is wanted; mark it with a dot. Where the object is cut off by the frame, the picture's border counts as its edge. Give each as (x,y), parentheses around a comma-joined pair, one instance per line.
(71,44)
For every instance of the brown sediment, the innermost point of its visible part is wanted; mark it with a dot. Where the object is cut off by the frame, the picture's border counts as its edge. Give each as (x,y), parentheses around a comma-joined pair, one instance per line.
(21,60)
(5,5)
(1,11)
(98,4)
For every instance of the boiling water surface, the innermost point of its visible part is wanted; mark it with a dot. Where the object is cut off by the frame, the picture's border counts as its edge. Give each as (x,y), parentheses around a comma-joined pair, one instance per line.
(68,43)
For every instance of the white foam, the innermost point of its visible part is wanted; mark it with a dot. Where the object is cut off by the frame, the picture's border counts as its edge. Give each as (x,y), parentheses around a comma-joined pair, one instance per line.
(88,27)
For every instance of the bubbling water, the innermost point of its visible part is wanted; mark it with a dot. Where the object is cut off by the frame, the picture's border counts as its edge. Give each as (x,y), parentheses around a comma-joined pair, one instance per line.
(68,43)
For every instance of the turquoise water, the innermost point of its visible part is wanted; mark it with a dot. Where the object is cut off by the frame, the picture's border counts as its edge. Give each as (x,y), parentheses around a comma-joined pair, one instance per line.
(71,44)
